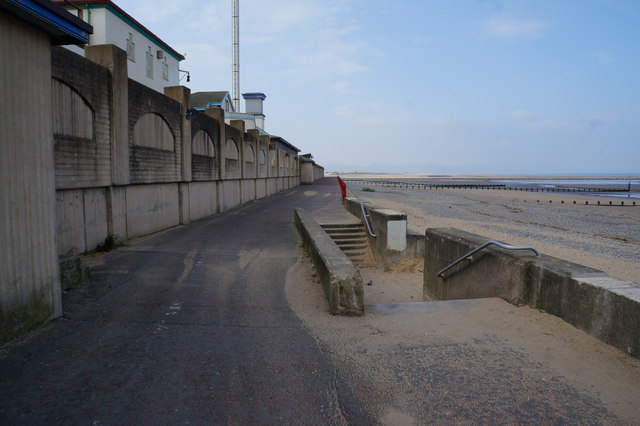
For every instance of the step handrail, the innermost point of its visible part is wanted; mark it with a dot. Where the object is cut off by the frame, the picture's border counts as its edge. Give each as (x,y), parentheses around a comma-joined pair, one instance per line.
(487,244)
(366,220)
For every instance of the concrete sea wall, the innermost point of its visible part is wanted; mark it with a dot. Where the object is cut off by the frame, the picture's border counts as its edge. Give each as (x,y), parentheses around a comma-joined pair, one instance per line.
(89,156)
(602,306)
(129,162)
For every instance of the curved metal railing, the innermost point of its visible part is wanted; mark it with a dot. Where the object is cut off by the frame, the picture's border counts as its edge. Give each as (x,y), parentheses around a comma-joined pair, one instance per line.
(366,219)
(487,244)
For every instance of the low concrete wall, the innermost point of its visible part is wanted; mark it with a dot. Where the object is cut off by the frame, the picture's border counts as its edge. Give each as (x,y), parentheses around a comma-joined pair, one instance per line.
(393,241)
(493,272)
(152,208)
(604,307)
(231,194)
(261,188)
(341,280)
(248,190)
(203,198)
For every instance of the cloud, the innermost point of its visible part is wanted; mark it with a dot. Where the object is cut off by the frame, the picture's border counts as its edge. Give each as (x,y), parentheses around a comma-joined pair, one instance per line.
(206,64)
(360,110)
(324,58)
(603,59)
(528,120)
(348,67)
(594,123)
(422,40)
(515,28)
(342,87)
(521,115)
(497,4)
(548,123)
(150,11)
(267,20)
(309,39)
(196,17)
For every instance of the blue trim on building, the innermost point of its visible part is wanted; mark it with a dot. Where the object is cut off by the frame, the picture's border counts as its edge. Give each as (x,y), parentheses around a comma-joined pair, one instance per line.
(63,29)
(254,95)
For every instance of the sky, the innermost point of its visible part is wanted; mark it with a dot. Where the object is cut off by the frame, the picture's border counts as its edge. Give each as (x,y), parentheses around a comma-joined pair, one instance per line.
(427,86)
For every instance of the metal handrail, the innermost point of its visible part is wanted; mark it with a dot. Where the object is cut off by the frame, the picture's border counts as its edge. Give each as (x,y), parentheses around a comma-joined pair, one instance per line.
(488,243)
(365,215)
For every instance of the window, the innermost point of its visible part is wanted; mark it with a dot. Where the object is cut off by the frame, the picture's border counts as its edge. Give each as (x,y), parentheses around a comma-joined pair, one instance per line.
(131,48)
(165,69)
(150,63)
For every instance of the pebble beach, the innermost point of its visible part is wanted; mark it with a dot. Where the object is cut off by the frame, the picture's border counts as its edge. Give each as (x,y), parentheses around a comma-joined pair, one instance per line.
(604,237)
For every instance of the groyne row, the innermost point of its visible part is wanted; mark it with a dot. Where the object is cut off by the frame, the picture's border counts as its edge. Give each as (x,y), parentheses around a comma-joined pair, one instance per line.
(490,186)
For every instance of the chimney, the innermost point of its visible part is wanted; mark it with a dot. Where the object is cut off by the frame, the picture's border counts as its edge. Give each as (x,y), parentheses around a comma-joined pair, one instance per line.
(253,105)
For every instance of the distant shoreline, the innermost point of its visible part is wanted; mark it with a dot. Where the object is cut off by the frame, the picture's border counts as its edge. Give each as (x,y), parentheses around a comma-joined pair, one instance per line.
(364,175)
(591,186)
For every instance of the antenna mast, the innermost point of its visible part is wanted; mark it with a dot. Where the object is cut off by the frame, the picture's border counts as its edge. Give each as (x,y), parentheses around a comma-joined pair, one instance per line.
(236,54)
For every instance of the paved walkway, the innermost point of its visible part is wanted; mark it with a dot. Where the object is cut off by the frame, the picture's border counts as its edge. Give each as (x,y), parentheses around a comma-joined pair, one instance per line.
(193,326)
(190,325)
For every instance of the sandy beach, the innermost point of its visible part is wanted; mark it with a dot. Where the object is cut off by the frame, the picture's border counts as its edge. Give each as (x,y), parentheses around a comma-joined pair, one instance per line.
(522,348)
(599,236)
(554,373)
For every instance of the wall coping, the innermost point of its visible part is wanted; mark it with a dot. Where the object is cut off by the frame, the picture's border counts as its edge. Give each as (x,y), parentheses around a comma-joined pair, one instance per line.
(340,279)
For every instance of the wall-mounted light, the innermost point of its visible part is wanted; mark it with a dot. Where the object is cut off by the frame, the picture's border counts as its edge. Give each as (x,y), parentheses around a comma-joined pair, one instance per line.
(187,74)
(190,114)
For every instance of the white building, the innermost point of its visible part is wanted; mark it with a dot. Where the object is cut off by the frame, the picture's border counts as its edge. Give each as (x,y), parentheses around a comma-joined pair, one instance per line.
(152,62)
(204,100)
(254,115)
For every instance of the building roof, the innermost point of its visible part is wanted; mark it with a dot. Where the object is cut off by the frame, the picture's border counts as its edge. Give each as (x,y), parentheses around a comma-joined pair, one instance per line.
(282,141)
(116,10)
(209,99)
(240,115)
(62,26)
(254,95)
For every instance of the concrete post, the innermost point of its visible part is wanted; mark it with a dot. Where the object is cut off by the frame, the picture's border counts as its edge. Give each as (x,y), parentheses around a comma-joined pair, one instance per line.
(29,274)
(264,143)
(239,125)
(306,173)
(218,114)
(115,59)
(255,136)
(183,95)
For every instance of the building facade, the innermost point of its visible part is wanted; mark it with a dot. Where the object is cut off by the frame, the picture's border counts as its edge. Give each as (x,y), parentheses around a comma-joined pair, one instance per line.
(151,61)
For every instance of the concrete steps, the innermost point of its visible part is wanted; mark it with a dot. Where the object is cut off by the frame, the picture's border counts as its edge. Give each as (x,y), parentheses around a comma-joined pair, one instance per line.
(352,240)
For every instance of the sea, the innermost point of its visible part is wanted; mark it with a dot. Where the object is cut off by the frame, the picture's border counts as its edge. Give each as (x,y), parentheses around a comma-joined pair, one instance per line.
(632,185)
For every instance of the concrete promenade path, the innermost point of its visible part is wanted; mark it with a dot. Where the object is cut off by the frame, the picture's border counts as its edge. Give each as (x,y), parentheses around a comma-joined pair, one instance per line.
(190,325)
(221,322)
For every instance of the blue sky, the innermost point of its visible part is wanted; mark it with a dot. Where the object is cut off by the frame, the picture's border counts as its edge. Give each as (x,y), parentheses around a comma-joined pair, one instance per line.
(456,86)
